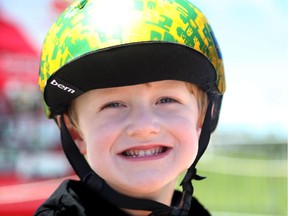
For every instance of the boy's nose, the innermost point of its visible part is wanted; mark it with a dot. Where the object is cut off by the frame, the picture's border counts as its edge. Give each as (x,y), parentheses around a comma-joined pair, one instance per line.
(143,123)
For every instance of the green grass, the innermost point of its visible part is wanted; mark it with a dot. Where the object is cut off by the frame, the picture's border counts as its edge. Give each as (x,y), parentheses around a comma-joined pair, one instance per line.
(243,194)
(236,185)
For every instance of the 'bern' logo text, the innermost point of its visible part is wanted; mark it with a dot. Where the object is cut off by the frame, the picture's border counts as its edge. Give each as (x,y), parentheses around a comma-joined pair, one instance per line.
(61,86)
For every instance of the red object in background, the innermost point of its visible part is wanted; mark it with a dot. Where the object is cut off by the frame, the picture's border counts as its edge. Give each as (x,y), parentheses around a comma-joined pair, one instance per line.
(22,199)
(19,209)
(60,5)
(18,60)
(19,64)
(12,40)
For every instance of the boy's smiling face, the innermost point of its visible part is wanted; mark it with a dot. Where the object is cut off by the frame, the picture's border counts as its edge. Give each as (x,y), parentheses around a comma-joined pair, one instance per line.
(138,138)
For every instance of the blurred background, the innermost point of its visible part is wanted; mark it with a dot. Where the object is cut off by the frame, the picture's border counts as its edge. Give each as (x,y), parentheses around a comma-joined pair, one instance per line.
(246,161)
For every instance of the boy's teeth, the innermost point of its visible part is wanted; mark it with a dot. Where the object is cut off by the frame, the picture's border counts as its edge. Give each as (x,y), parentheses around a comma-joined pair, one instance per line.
(142,153)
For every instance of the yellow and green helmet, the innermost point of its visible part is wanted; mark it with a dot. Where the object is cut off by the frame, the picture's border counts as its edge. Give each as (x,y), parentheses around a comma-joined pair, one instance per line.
(109,43)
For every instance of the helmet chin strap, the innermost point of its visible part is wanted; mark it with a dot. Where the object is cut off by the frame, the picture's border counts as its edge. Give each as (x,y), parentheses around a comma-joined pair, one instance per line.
(96,183)
(192,171)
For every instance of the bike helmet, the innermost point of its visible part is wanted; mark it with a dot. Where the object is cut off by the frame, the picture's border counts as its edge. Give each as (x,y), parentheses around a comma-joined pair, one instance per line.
(109,43)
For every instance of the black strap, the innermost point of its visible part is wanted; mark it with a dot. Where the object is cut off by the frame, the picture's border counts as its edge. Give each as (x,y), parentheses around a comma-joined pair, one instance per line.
(192,171)
(76,159)
(205,132)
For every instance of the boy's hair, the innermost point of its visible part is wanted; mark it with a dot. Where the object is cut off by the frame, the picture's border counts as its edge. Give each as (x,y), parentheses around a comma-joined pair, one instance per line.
(202,101)
(201,97)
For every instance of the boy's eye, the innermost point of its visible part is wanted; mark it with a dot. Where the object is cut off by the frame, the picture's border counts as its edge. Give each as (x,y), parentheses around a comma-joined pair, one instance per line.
(167,100)
(112,105)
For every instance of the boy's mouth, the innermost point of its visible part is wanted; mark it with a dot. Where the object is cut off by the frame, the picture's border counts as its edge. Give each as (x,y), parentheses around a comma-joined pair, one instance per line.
(135,153)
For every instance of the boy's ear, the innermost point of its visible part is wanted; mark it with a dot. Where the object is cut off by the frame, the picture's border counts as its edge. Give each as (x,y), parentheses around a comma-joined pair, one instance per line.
(75,133)
(199,129)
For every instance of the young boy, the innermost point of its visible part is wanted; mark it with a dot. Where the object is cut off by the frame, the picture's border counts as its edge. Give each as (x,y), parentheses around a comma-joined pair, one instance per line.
(136,88)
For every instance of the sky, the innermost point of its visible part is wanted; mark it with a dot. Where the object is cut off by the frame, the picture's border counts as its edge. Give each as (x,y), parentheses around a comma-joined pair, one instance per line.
(253,37)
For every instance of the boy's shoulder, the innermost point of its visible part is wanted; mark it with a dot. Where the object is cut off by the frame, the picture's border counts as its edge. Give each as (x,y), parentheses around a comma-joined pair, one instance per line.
(72,198)
(196,209)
